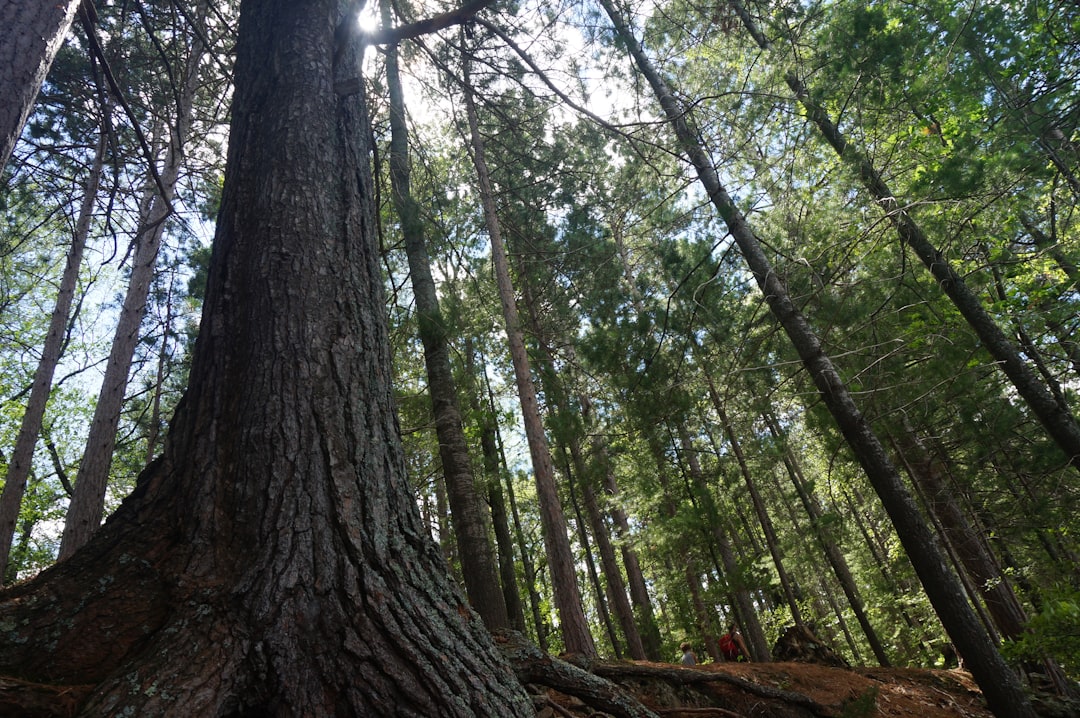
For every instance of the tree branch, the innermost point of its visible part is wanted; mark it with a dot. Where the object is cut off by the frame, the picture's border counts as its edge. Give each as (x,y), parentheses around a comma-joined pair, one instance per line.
(389,36)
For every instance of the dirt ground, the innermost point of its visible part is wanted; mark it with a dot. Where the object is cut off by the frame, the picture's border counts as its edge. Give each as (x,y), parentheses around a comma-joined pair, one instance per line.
(795,690)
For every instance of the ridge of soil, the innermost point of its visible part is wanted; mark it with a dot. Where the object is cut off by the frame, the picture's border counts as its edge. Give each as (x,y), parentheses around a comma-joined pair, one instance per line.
(783,689)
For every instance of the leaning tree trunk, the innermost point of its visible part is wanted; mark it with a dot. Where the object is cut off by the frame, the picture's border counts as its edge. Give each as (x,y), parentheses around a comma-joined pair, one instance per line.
(467,511)
(1000,686)
(1055,416)
(573,625)
(832,552)
(31,35)
(23,454)
(273,561)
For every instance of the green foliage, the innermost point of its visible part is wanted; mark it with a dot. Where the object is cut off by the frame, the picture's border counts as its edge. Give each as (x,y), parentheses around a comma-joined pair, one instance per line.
(1054,631)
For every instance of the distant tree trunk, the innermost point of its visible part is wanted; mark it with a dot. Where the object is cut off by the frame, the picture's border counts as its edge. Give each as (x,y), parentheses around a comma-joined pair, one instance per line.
(1000,686)
(154,422)
(88,502)
(32,34)
(749,623)
(527,565)
(489,450)
(833,553)
(573,626)
(590,566)
(644,616)
(771,539)
(994,588)
(613,575)
(467,511)
(706,620)
(891,584)
(22,456)
(272,561)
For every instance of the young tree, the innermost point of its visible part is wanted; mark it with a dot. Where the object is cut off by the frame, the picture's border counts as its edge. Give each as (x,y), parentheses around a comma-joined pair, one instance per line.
(272,561)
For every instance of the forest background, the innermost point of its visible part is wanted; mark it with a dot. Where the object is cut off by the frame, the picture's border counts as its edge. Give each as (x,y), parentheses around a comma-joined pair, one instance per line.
(883,154)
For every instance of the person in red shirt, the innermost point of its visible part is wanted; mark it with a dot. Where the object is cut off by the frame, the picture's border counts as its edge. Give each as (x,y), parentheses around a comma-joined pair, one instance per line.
(732,645)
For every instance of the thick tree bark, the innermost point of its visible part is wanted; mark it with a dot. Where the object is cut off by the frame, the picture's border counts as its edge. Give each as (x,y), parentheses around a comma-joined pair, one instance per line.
(31,34)
(573,626)
(998,683)
(273,561)
(467,511)
(23,454)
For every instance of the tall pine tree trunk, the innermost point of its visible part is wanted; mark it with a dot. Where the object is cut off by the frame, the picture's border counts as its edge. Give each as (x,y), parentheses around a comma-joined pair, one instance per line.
(23,454)
(272,562)
(467,511)
(573,626)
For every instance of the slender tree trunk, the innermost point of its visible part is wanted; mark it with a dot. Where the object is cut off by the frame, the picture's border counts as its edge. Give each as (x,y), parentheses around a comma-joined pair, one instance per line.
(159,381)
(467,511)
(832,552)
(31,35)
(706,620)
(572,623)
(749,623)
(1054,415)
(22,456)
(820,578)
(88,502)
(648,635)
(529,569)
(489,450)
(590,565)
(881,561)
(1000,686)
(272,562)
(771,539)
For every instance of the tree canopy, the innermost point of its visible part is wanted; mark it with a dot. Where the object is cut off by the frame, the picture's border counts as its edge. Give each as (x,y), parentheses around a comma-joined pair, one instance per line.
(618,322)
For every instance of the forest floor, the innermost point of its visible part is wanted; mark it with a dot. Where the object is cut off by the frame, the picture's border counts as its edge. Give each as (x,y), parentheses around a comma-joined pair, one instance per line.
(782,690)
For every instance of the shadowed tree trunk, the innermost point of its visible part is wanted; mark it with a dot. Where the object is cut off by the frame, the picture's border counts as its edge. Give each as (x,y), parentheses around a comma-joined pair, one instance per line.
(273,562)
(999,685)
